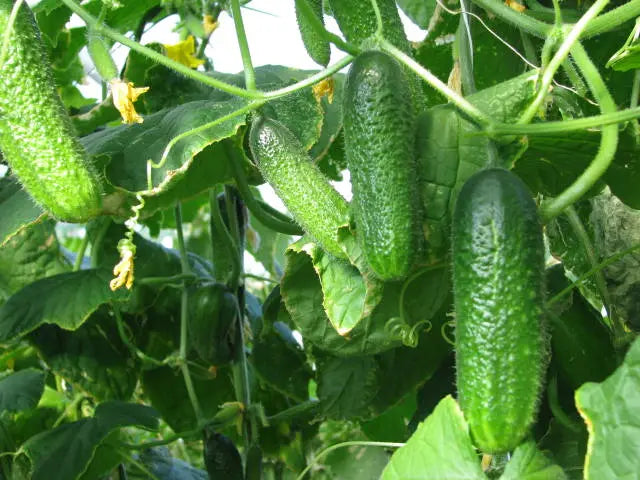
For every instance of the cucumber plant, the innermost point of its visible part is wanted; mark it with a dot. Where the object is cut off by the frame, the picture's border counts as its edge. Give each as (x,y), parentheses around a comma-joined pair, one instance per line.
(241,341)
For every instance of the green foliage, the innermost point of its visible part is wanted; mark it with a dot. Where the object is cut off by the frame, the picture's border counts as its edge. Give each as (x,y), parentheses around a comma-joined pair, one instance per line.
(233,370)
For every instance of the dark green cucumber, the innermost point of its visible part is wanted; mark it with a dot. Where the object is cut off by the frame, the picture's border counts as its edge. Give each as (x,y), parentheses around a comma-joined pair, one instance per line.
(313,202)
(212,315)
(316,45)
(498,280)
(36,136)
(379,130)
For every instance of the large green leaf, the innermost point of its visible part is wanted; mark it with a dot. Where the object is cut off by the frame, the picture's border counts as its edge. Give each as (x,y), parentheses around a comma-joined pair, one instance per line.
(610,410)
(450,150)
(21,390)
(529,463)
(64,453)
(176,409)
(346,386)
(280,362)
(17,209)
(131,146)
(92,358)
(66,299)
(440,448)
(324,296)
(31,254)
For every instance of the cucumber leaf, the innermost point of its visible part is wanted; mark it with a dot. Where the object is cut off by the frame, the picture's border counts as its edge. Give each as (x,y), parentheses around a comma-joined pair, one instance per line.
(17,209)
(21,390)
(440,448)
(610,412)
(64,453)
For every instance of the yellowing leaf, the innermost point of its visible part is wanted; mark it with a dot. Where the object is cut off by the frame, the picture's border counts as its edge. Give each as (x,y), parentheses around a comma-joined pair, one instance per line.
(183,52)
(124,94)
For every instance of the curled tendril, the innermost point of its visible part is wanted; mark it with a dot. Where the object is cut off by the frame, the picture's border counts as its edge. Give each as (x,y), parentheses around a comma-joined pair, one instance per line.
(445,334)
(399,327)
(409,335)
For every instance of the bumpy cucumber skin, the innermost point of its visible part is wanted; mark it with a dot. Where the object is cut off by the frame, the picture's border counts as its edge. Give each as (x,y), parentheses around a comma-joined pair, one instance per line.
(36,136)
(379,129)
(317,47)
(313,202)
(498,279)
(357,21)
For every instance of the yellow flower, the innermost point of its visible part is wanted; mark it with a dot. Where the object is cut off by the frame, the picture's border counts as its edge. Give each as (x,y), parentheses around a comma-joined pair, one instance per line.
(209,24)
(325,88)
(123,271)
(513,4)
(124,94)
(183,52)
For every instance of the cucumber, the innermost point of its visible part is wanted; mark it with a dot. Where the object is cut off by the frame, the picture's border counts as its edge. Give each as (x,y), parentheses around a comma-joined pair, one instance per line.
(36,136)
(316,45)
(498,282)
(357,21)
(313,202)
(379,127)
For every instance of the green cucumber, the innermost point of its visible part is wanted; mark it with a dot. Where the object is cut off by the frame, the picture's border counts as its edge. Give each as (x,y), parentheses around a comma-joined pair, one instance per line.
(357,21)
(212,320)
(36,136)
(316,45)
(379,127)
(498,282)
(313,202)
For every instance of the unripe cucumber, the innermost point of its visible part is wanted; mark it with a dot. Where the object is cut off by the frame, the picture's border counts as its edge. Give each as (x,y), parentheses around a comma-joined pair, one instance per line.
(313,202)
(36,136)
(379,139)
(498,280)
(316,45)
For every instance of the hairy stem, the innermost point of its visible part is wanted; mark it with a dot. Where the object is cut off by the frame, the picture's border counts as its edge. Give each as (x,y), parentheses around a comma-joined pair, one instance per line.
(249,73)
(184,318)
(550,70)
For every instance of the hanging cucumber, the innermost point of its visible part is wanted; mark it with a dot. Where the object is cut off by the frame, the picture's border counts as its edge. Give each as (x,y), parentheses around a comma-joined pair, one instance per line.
(379,137)
(313,202)
(36,136)
(498,276)
(316,45)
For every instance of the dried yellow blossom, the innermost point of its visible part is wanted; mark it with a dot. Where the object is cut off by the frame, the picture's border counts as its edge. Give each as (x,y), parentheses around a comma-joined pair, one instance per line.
(325,88)
(513,4)
(209,24)
(183,52)
(123,271)
(124,94)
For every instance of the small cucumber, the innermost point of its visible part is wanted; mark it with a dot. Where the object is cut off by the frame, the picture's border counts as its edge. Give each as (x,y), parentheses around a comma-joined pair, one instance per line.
(316,45)
(379,132)
(36,136)
(313,202)
(498,280)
